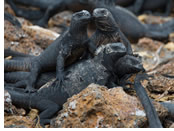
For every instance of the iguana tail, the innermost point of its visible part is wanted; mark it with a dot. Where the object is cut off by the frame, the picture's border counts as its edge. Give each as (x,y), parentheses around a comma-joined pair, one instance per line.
(169,106)
(151,113)
(19,97)
(14,54)
(17,65)
(13,77)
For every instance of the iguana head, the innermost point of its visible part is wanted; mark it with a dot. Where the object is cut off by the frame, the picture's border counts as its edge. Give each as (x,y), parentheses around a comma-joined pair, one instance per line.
(82,17)
(128,64)
(79,22)
(110,53)
(104,20)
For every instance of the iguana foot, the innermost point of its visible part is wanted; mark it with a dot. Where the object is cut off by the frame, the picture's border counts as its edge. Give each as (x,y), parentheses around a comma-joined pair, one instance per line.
(30,90)
(60,79)
(41,23)
(42,122)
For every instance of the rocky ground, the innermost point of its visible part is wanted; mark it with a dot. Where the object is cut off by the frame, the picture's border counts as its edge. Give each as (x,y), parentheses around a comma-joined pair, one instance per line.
(96,106)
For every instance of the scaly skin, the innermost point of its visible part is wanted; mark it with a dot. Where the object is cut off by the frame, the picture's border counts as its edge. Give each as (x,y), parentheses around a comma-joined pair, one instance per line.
(151,113)
(14,54)
(15,78)
(66,49)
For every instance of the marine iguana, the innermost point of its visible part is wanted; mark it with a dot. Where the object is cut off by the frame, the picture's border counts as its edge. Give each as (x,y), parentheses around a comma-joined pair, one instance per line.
(139,6)
(63,51)
(50,100)
(127,21)
(107,30)
(48,8)
(134,29)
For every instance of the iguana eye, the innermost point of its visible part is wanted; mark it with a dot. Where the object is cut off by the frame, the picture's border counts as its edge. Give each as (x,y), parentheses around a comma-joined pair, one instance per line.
(80,14)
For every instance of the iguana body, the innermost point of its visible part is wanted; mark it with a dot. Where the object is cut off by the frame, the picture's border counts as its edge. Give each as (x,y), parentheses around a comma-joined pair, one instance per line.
(139,6)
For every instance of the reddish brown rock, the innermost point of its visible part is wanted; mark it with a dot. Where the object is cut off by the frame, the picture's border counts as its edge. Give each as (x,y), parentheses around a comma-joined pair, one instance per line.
(167,68)
(43,37)
(18,40)
(149,44)
(24,22)
(152,19)
(63,17)
(13,33)
(161,84)
(60,21)
(8,9)
(171,37)
(170,46)
(18,122)
(96,106)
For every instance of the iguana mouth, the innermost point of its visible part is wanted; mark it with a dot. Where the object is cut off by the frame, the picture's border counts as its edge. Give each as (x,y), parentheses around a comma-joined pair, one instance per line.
(100,13)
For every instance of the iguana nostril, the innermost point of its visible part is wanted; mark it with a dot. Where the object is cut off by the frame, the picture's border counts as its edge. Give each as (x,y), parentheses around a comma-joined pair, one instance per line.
(103,12)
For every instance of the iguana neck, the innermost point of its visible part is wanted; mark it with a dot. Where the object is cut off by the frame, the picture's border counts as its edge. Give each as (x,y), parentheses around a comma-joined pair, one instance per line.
(78,30)
(102,38)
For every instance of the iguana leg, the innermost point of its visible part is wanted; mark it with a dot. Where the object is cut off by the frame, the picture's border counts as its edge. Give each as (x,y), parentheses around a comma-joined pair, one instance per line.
(46,107)
(19,84)
(60,69)
(136,7)
(28,14)
(168,8)
(31,80)
(51,10)
(125,42)
(91,46)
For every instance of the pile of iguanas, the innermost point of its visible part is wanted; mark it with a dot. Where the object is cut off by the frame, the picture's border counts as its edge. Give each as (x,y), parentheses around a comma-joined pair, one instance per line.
(75,60)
